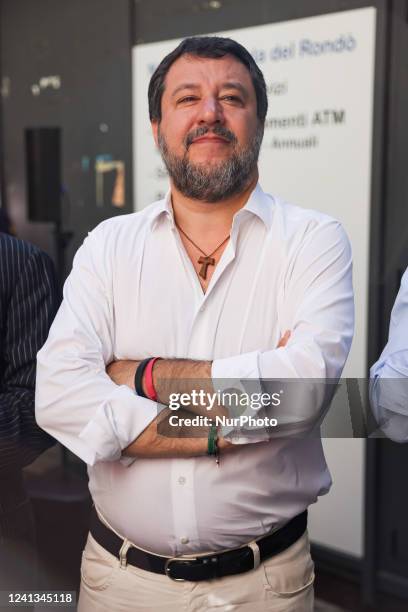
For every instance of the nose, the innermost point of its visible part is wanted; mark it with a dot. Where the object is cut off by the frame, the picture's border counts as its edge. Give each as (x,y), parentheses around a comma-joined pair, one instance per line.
(211,111)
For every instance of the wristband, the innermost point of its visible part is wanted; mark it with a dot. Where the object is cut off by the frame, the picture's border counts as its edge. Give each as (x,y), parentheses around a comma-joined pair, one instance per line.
(139,377)
(148,379)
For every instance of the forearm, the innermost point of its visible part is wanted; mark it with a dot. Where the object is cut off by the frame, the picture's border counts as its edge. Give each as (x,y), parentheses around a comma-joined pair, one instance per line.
(175,377)
(169,376)
(169,447)
(167,436)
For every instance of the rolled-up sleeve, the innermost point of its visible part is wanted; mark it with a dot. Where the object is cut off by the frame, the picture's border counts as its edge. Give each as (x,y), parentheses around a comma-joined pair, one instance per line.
(76,401)
(317,307)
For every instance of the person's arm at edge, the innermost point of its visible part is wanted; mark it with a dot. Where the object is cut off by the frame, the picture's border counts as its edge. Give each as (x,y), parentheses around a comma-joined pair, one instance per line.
(389,375)
(76,402)
(30,312)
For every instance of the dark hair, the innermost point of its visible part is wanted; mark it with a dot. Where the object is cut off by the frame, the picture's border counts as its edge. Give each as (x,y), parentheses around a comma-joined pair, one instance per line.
(212,47)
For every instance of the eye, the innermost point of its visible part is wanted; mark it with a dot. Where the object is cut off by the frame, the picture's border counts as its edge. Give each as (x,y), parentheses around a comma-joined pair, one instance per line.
(233,99)
(187,99)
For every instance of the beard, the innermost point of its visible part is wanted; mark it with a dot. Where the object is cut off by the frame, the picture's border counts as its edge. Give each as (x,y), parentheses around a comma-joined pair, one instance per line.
(213,182)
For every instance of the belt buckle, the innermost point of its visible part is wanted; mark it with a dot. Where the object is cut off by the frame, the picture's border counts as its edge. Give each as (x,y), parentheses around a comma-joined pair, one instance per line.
(167,567)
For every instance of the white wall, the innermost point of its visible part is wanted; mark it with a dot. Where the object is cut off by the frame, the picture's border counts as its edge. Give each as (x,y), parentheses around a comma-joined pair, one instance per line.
(337,520)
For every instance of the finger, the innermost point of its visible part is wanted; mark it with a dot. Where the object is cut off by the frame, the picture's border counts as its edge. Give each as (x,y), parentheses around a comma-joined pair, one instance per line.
(284,339)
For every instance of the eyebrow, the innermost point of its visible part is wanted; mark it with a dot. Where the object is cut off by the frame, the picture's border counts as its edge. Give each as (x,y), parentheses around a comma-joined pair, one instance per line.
(236,85)
(227,85)
(185,86)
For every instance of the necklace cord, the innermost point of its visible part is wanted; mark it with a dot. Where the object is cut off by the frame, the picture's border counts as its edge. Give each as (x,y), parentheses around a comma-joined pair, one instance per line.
(196,245)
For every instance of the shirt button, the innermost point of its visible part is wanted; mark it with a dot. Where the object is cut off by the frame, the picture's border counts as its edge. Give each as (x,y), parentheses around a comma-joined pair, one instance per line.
(184,540)
(202,308)
(182,480)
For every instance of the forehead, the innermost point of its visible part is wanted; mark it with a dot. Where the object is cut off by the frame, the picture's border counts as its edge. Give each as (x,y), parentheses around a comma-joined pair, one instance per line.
(203,71)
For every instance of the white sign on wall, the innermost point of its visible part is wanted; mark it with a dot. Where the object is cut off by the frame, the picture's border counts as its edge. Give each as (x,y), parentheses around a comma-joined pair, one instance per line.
(317,145)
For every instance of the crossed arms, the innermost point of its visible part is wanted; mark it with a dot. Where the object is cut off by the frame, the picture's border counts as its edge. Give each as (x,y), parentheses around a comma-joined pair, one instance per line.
(77,401)
(172,376)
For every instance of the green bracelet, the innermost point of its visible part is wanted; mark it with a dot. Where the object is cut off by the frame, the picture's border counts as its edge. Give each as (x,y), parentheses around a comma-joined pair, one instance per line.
(212,449)
(212,441)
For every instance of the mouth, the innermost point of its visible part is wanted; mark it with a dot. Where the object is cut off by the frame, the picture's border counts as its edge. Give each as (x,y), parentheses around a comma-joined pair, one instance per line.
(211,139)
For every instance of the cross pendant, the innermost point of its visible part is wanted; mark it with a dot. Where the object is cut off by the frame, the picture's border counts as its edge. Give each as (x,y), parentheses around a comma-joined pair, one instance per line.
(205,261)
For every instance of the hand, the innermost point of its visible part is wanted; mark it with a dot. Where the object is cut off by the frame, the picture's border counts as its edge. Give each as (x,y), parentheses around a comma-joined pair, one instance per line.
(284,339)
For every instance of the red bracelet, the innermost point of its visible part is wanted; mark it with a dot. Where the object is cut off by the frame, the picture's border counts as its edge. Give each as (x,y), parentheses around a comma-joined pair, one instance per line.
(148,379)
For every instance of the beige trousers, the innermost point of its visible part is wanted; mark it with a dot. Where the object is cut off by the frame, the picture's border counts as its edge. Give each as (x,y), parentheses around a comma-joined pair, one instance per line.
(283,583)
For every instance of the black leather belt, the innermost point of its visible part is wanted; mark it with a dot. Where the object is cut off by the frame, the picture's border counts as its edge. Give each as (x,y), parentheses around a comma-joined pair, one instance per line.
(206,567)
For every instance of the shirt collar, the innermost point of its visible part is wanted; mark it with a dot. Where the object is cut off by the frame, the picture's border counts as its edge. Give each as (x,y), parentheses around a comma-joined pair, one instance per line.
(161,209)
(259,204)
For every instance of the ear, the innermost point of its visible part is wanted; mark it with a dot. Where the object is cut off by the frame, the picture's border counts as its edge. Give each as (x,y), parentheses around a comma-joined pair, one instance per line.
(155,130)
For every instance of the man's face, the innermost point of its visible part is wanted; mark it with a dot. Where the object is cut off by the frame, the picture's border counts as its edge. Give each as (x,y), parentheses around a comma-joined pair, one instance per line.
(209,134)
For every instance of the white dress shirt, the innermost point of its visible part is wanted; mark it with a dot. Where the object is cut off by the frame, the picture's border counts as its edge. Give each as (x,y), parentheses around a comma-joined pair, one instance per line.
(389,375)
(133,293)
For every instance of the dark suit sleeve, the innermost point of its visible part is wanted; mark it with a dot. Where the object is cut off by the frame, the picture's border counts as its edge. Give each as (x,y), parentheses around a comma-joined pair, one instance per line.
(29,314)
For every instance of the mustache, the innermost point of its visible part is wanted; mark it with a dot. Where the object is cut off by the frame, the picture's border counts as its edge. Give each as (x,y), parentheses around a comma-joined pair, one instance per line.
(218,130)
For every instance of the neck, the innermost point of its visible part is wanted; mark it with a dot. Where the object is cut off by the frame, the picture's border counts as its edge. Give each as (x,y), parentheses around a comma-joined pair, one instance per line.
(208,216)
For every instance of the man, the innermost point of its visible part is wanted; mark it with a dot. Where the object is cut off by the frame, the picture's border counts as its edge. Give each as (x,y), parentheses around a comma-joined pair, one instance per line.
(28,302)
(389,375)
(208,279)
